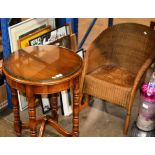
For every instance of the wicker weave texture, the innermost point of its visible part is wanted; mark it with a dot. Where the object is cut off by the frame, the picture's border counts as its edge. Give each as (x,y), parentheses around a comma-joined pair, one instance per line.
(126,45)
(115,63)
(109,81)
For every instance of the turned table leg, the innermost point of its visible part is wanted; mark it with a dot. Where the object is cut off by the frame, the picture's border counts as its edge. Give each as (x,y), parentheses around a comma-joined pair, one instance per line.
(54,106)
(76,97)
(17,122)
(32,111)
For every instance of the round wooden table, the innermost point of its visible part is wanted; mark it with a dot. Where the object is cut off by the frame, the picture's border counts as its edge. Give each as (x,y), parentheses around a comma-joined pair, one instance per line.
(43,70)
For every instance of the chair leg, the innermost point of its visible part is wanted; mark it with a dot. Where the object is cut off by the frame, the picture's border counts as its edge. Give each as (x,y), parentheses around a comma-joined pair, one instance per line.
(126,126)
(128,115)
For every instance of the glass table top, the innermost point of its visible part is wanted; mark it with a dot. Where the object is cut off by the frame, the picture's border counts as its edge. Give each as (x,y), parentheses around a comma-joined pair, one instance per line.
(42,63)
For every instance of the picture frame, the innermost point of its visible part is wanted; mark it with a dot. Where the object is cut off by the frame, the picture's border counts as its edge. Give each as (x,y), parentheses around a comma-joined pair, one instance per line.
(52,36)
(22,101)
(80,53)
(16,31)
(45,104)
(63,42)
(24,41)
(66,102)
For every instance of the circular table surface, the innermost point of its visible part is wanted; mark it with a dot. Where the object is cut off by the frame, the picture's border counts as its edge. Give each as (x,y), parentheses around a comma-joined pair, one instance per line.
(41,64)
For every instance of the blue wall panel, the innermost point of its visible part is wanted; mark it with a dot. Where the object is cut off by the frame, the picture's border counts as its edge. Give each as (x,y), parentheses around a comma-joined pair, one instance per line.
(6,50)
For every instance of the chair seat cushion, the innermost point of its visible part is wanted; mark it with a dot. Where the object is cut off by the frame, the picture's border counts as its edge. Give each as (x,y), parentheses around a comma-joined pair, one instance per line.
(111,83)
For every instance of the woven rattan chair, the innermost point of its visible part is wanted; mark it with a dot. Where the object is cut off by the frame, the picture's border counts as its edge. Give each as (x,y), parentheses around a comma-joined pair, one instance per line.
(115,62)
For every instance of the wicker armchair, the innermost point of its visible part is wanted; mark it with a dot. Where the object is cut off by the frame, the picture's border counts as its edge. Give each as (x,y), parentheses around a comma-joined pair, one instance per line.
(115,62)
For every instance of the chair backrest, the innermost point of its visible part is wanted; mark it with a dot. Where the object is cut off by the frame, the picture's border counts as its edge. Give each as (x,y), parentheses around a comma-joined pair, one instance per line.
(126,45)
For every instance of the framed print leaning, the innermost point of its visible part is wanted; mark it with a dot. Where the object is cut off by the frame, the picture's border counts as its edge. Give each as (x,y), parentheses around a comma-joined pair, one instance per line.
(26,27)
(80,53)
(51,36)
(24,41)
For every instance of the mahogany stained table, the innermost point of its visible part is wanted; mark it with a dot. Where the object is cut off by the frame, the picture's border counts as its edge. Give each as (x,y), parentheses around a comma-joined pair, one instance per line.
(43,70)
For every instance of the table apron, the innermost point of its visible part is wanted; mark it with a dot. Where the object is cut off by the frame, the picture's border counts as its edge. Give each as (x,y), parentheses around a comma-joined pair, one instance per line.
(45,89)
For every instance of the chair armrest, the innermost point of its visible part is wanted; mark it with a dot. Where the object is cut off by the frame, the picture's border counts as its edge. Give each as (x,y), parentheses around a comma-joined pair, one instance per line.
(142,70)
(140,73)
(137,80)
